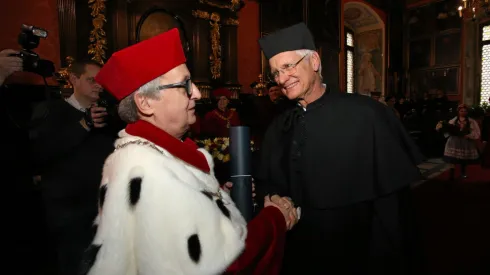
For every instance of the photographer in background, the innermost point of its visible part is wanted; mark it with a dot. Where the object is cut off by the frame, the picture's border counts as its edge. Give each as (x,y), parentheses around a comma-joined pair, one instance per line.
(71,138)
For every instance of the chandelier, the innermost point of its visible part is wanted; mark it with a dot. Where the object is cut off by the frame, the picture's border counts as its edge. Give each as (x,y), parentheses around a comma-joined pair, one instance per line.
(472,9)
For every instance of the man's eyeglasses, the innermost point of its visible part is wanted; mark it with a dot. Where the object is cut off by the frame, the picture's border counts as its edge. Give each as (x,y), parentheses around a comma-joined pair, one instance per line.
(187,85)
(288,69)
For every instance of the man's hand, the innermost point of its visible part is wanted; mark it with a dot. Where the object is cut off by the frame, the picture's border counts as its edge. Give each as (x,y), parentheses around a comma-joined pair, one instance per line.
(98,116)
(9,64)
(285,202)
(291,214)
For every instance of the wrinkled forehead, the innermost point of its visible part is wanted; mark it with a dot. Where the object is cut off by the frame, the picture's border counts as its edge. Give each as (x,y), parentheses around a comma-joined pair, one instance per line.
(282,59)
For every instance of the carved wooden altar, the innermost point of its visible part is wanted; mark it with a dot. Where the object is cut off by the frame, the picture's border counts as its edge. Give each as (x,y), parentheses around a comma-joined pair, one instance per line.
(96,28)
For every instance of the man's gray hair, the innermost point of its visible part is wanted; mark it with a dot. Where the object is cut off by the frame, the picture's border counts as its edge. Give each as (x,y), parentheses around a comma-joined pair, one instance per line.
(127,110)
(307,53)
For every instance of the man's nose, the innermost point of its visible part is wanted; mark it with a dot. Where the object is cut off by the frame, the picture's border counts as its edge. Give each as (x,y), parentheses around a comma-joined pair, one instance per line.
(282,78)
(196,94)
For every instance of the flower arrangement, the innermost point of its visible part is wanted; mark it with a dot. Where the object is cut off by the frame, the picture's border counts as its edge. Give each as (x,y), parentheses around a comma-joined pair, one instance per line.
(219,148)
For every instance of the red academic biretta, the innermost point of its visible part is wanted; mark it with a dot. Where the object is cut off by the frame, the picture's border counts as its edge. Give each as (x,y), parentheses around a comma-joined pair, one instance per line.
(130,68)
(222,92)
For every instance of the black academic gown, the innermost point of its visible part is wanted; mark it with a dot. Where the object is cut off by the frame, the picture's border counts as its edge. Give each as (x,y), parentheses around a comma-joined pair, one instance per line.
(348,162)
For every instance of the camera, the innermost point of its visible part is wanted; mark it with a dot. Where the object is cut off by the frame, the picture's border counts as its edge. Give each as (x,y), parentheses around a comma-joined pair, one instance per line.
(29,39)
(106,100)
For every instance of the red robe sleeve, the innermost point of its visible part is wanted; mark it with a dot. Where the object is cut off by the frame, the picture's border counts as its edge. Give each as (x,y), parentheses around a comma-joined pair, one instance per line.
(264,246)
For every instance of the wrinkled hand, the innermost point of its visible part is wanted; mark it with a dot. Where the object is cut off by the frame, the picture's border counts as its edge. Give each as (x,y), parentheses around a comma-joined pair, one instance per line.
(285,202)
(98,116)
(228,185)
(9,64)
(291,214)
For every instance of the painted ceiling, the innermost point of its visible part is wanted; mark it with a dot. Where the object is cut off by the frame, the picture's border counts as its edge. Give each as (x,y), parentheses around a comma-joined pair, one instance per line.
(358,16)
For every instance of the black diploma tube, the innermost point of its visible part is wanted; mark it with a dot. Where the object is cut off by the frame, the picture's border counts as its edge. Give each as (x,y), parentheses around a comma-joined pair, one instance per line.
(240,170)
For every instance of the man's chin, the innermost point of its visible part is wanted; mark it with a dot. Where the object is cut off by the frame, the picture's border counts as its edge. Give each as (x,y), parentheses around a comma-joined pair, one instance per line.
(292,95)
(191,119)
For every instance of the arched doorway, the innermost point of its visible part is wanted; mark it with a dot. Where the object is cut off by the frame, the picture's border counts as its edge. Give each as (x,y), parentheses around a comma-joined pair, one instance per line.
(364,40)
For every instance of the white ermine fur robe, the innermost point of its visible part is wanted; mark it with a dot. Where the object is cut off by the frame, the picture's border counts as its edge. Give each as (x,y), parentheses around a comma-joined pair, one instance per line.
(156,219)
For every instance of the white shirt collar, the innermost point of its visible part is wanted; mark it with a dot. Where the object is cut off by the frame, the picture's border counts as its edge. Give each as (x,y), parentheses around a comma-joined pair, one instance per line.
(74,102)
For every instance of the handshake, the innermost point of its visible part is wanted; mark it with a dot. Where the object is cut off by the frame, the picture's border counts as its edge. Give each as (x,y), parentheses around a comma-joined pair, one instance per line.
(284,204)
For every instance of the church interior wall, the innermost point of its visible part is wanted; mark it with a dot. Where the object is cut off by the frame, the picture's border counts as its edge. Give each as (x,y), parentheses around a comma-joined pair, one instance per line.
(41,13)
(44,13)
(370,40)
(435,49)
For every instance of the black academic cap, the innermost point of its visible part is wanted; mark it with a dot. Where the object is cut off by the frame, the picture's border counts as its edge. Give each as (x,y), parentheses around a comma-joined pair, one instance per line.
(296,37)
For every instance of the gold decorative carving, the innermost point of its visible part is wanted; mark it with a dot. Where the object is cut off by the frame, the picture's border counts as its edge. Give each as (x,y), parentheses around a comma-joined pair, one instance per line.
(260,86)
(63,75)
(231,21)
(98,40)
(234,5)
(215,57)
(201,14)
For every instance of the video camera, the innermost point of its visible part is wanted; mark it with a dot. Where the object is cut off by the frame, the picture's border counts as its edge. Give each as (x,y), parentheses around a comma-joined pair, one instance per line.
(29,40)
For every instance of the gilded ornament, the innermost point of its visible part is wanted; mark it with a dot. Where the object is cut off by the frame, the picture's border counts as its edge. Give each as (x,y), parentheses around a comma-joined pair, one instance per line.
(201,14)
(215,57)
(98,40)
(231,22)
(63,75)
(234,5)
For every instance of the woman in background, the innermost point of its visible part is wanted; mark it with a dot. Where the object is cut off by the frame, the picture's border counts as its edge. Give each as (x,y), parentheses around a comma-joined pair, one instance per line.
(461,147)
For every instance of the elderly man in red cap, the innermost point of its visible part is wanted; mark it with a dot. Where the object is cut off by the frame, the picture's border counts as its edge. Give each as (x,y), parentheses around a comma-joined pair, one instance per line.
(161,208)
(217,123)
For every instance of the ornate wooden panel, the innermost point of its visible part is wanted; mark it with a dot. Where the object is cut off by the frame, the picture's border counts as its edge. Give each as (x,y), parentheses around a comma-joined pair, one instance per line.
(96,28)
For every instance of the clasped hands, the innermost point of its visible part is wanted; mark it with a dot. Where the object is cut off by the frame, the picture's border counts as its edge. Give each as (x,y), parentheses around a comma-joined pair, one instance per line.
(284,204)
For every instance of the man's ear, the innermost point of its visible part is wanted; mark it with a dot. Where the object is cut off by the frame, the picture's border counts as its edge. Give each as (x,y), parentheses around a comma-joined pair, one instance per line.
(73,79)
(144,104)
(315,61)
